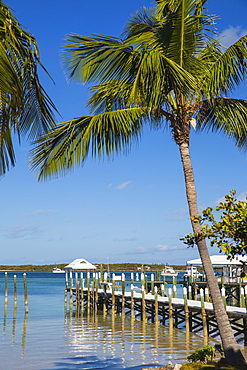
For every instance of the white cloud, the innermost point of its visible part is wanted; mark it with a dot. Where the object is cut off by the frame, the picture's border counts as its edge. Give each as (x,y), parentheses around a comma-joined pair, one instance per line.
(136,252)
(123,185)
(142,250)
(22,231)
(164,247)
(124,239)
(181,211)
(44,212)
(231,35)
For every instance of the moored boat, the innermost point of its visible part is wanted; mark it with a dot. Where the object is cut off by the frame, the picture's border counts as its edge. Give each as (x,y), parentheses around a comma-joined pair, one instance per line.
(168,271)
(192,271)
(57,270)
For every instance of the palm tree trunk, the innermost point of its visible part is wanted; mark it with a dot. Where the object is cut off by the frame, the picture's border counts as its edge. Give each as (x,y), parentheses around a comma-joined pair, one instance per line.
(231,349)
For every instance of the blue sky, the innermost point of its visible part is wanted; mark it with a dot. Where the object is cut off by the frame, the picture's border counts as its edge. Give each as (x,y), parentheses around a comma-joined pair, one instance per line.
(132,208)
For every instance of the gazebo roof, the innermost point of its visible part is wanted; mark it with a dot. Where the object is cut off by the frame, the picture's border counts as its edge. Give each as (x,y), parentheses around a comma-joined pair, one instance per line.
(220,260)
(80,264)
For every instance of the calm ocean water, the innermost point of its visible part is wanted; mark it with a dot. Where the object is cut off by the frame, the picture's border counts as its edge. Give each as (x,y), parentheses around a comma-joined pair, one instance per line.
(50,337)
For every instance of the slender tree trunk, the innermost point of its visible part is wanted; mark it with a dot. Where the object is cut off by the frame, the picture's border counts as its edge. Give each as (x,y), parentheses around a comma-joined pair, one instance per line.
(231,349)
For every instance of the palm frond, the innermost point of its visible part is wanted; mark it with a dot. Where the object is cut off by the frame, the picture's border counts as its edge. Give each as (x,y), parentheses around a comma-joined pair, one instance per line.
(110,96)
(228,69)
(25,108)
(225,115)
(7,155)
(97,58)
(142,21)
(69,144)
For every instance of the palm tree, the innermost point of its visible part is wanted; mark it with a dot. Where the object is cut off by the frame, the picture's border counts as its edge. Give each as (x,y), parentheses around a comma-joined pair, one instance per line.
(25,108)
(166,70)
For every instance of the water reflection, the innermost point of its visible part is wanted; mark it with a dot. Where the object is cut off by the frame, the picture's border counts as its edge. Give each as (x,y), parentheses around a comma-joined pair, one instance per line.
(5,315)
(13,322)
(126,341)
(24,334)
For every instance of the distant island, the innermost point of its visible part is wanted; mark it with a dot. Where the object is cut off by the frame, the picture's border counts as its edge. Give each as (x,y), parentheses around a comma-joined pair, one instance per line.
(105,267)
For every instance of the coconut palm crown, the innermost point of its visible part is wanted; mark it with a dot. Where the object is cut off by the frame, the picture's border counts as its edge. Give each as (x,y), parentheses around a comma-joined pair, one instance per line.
(25,107)
(167,69)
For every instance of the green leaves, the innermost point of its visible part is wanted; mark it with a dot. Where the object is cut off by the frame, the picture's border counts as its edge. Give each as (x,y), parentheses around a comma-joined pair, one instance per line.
(226,115)
(25,108)
(205,354)
(101,135)
(228,70)
(167,63)
(96,58)
(229,233)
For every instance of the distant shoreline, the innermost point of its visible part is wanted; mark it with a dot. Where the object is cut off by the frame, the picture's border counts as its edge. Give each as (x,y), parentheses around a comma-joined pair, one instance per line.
(110,267)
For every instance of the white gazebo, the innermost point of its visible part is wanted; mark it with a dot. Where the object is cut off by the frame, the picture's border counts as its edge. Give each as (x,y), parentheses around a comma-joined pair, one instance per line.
(80,264)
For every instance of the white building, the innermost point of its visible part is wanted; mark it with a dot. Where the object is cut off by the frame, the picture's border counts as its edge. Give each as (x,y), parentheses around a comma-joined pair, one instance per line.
(80,264)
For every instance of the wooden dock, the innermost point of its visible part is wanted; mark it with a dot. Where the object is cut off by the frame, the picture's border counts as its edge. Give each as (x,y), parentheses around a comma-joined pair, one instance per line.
(187,314)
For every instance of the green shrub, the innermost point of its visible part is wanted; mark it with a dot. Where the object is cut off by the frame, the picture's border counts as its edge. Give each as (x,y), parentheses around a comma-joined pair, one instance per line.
(205,354)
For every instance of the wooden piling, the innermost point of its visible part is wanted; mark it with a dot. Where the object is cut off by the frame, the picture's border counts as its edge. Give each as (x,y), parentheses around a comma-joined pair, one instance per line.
(195,296)
(245,293)
(113,294)
(206,292)
(170,308)
(96,291)
(88,290)
(143,312)
(132,277)
(186,310)
(82,291)
(174,291)
(142,279)
(223,294)
(70,288)
(15,291)
(66,292)
(6,287)
(66,280)
(163,290)
(132,305)
(105,278)
(174,280)
(152,283)
(242,297)
(123,294)
(156,305)
(222,281)
(93,285)
(77,297)
(25,292)
(204,315)
(189,292)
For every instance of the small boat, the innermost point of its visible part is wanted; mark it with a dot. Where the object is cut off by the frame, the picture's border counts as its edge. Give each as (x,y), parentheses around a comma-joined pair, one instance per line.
(192,271)
(57,270)
(168,271)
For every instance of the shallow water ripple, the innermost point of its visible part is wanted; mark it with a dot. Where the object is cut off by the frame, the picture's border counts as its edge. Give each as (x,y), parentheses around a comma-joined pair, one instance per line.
(48,338)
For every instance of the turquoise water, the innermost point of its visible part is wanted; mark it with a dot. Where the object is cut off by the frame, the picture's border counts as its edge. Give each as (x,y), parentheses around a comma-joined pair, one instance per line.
(51,337)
